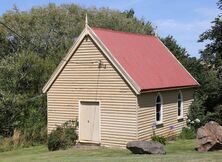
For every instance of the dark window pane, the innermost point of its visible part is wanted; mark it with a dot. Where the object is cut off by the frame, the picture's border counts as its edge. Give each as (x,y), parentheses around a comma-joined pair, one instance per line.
(179,103)
(179,107)
(179,96)
(158,99)
(179,111)
(158,107)
(157,116)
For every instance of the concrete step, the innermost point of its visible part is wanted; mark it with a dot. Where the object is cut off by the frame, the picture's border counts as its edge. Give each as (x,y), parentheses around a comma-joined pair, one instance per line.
(88,145)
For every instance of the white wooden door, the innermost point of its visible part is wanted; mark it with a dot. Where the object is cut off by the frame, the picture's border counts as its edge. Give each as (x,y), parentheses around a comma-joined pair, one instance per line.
(89,122)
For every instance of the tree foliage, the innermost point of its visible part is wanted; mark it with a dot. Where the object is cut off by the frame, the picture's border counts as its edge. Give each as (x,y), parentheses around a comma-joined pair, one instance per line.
(179,52)
(212,57)
(212,54)
(20,92)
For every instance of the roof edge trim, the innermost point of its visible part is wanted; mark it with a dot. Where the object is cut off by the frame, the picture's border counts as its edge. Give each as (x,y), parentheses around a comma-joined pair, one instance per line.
(168,89)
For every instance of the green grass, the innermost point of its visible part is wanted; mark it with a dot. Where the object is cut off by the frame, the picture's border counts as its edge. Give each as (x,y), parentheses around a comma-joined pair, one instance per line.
(178,151)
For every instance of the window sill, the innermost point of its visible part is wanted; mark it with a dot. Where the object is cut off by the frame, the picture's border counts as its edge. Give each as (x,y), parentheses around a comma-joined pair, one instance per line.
(180,119)
(159,124)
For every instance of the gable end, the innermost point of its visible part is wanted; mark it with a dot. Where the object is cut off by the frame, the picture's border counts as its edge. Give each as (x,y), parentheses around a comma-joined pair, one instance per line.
(88,32)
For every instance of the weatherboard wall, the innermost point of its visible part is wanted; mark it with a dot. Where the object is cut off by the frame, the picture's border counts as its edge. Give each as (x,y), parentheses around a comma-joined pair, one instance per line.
(146,113)
(82,80)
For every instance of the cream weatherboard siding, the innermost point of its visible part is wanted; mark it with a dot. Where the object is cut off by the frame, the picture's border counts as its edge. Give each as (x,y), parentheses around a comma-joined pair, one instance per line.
(82,80)
(146,113)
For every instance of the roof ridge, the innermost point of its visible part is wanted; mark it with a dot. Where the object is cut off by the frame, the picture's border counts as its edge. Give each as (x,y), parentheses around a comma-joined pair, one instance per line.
(124,32)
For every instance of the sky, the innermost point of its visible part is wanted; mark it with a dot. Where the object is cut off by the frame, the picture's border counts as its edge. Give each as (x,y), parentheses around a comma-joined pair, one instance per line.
(185,20)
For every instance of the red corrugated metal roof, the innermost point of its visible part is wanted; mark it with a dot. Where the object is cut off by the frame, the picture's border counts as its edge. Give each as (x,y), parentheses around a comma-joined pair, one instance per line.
(146,60)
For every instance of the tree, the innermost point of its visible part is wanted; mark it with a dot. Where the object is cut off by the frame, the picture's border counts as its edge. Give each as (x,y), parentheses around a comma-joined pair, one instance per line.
(179,52)
(209,96)
(129,13)
(212,54)
(20,96)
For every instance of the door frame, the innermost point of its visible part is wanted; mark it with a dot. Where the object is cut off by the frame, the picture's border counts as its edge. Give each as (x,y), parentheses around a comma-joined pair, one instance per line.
(79,115)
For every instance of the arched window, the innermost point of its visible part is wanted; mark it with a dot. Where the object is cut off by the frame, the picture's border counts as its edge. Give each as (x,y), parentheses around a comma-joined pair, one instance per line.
(159,111)
(180,105)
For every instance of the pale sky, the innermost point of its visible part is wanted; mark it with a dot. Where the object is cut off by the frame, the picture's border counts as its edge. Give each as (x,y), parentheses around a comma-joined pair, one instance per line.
(185,20)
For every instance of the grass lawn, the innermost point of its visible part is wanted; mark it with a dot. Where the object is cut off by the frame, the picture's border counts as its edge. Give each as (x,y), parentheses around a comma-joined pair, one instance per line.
(178,151)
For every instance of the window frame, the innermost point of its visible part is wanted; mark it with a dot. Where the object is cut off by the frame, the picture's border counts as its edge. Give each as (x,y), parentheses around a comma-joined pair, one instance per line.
(161,109)
(181,105)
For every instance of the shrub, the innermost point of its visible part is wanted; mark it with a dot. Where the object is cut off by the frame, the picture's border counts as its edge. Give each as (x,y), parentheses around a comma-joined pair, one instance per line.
(63,137)
(6,144)
(216,115)
(9,143)
(196,116)
(35,135)
(187,133)
(159,139)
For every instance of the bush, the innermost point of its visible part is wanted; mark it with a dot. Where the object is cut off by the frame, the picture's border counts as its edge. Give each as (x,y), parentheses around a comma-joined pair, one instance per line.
(6,144)
(36,135)
(187,133)
(63,137)
(24,138)
(159,139)
(10,143)
(216,115)
(197,116)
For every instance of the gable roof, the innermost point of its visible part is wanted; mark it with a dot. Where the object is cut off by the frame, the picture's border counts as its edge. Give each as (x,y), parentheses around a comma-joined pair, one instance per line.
(143,61)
